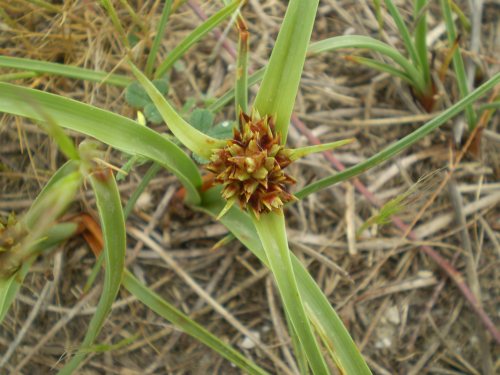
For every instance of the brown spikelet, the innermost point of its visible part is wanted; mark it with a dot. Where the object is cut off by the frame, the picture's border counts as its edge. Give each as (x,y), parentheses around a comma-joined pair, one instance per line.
(251,166)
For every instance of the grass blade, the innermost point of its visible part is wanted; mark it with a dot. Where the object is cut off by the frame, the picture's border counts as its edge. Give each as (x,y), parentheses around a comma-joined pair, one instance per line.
(113,229)
(195,36)
(186,324)
(403,143)
(145,180)
(17,75)
(347,355)
(421,39)
(64,70)
(403,31)
(241,86)
(115,130)
(300,353)
(360,41)
(108,5)
(280,84)
(458,62)
(165,13)
(382,67)
(272,233)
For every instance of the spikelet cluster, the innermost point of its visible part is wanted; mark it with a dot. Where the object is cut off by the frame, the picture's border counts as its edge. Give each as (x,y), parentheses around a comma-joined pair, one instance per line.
(251,166)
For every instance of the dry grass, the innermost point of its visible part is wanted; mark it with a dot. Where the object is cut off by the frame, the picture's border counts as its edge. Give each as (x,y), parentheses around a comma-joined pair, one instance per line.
(400,307)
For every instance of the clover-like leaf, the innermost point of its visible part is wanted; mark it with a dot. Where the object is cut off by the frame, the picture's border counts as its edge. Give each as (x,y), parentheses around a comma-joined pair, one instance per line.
(202,120)
(152,114)
(136,96)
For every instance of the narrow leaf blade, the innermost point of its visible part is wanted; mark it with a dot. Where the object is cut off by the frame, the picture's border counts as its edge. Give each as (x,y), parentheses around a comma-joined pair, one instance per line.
(240,224)
(112,129)
(280,84)
(183,322)
(403,143)
(113,229)
(272,233)
(192,138)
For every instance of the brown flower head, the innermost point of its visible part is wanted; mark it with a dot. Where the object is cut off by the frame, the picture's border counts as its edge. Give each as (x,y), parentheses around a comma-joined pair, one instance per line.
(251,166)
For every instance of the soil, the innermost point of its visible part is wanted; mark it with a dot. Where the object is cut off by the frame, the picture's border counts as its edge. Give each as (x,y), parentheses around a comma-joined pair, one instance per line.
(405,312)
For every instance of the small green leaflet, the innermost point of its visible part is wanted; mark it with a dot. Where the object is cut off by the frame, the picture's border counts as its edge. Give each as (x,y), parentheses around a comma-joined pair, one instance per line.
(136,97)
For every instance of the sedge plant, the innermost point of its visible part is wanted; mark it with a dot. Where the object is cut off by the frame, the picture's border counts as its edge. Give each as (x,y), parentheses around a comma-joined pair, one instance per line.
(248,182)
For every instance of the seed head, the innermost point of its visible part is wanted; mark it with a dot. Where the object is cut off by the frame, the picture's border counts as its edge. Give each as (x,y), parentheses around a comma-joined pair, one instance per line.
(250,166)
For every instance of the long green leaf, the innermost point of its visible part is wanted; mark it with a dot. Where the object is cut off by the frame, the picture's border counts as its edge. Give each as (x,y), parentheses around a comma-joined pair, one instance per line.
(346,353)
(192,138)
(300,353)
(458,62)
(195,36)
(17,75)
(186,324)
(113,229)
(241,85)
(382,67)
(403,31)
(112,129)
(421,39)
(165,13)
(280,84)
(64,70)
(272,233)
(115,20)
(145,180)
(403,143)
(360,41)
